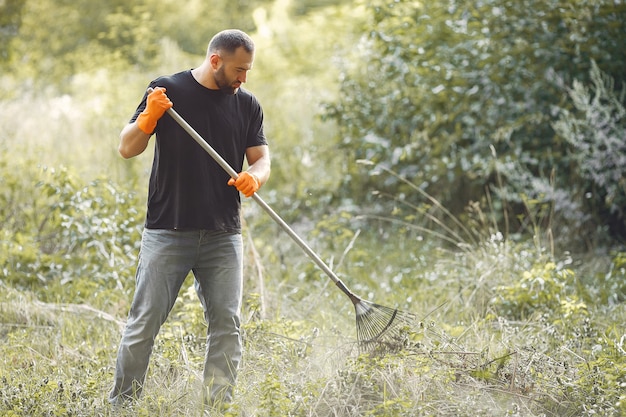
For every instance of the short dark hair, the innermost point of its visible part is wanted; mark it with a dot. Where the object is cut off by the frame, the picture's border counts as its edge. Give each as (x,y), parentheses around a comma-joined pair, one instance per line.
(229,40)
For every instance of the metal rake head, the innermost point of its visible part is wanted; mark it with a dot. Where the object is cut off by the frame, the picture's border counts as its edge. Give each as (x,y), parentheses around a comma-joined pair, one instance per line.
(381,328)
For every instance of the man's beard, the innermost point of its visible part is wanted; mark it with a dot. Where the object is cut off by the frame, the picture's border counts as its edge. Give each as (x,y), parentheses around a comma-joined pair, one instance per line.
(223,84)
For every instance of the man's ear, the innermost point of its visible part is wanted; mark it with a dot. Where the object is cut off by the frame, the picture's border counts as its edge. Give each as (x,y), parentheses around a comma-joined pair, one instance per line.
(215,60)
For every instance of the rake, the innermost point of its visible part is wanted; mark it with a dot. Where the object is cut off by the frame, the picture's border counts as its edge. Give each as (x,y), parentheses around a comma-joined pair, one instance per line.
(377,326)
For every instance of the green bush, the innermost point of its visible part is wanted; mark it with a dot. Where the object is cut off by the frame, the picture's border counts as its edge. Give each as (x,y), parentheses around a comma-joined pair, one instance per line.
(459,96)
(59,231)
(595,128)
(544,290)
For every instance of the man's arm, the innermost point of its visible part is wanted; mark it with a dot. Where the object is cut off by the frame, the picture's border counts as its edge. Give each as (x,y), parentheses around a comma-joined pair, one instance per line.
(134,137)
(133,141)
(259,163)
(258,171)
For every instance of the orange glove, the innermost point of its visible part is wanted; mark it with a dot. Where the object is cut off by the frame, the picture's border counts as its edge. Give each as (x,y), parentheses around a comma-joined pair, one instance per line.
(246,183)
(156,104)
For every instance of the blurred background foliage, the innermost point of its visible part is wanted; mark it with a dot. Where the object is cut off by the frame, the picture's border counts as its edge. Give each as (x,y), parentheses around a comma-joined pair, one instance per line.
(511,108)
(462,98)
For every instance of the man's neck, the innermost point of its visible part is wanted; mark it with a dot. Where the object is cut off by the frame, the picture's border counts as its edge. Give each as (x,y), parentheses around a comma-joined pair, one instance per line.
(204,76)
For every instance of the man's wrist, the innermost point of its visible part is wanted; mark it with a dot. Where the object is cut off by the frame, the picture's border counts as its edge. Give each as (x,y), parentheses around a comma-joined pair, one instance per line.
(145,123)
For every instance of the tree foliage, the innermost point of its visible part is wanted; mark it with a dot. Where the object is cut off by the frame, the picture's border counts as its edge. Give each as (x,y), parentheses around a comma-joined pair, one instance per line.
(46,43)
(596,131)
(10,21)
(457,95)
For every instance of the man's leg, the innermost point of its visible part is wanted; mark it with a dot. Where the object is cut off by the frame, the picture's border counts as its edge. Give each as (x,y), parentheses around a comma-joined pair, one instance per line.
(165,259)
(219,285)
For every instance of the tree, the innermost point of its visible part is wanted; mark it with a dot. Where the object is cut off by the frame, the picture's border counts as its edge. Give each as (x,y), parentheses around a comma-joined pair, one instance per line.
(45,43)
(596,131)
(59,39)
(10,21)
(435,89)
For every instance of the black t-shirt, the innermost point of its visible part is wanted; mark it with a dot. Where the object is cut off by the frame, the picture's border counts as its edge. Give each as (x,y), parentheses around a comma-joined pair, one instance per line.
(188,189)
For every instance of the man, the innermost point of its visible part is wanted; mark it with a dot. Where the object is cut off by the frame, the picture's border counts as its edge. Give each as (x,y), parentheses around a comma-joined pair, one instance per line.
(193,216)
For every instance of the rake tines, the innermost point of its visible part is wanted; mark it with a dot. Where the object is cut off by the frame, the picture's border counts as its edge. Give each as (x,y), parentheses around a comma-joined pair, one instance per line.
(381,327)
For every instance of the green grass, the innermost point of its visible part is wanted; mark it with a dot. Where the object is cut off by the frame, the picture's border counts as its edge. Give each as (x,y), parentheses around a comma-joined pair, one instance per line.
(496,339)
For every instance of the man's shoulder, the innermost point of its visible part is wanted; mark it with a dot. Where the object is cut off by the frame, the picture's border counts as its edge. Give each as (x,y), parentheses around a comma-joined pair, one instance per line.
(248,97)
(171,80)
(245,93)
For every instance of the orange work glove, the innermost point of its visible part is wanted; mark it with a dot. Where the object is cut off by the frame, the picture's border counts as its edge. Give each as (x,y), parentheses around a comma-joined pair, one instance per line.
(156,104)
(246,183)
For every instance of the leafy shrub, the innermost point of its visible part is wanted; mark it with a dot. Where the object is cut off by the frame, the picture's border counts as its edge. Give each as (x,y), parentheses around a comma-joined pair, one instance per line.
(544,290)
(434,89)
(608,287)
(60,231)
(595,128)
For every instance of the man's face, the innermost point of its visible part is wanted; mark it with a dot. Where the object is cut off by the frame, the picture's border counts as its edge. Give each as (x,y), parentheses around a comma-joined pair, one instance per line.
(232,70)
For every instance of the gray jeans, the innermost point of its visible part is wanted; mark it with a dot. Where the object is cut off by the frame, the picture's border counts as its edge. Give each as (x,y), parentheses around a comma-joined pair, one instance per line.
(165,259)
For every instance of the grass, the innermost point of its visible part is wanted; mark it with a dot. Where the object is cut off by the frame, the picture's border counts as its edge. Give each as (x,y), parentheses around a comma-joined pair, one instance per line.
(466,357)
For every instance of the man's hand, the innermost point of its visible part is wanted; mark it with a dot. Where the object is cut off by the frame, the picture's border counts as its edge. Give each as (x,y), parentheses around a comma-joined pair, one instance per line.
(246,183)
(157,104)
